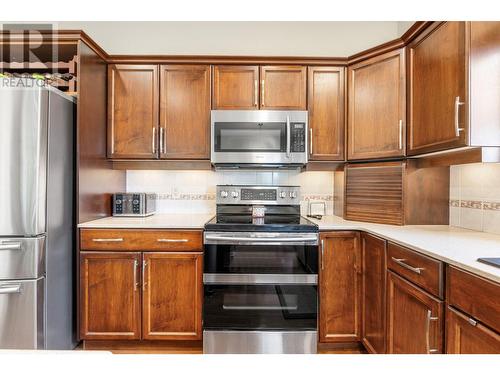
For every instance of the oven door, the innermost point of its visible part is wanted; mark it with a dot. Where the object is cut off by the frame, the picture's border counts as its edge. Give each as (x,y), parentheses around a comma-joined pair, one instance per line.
(256,307)
(261,254)
(255,137)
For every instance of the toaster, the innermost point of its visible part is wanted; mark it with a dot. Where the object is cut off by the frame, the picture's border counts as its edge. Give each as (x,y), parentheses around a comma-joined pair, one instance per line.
(134,204)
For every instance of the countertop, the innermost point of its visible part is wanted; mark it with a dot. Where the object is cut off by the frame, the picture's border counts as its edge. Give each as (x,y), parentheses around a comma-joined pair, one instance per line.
(456,246)
(157,221)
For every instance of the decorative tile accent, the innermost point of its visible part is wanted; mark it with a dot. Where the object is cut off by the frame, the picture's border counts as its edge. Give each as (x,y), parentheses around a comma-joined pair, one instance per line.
(491,206)
(478,205)
(319,197)
(186,197)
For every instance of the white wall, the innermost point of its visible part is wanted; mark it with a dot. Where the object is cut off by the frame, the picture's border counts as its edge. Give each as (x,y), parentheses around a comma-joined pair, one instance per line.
(194,191)
(403,26)
(475,197)
(330,39)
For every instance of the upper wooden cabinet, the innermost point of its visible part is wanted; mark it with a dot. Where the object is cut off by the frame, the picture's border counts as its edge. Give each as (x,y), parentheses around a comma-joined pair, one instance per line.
(172,296)
(326,88)
(132,111)
(377,107)
(373,293)
(236,87)
(414,318)
(283,87)
(340,287)
(184,112)
(397,193)
(438,100)
(110,300)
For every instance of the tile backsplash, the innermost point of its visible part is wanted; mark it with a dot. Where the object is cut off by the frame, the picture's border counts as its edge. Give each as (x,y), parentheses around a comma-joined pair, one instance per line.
(194,191)
(475,197)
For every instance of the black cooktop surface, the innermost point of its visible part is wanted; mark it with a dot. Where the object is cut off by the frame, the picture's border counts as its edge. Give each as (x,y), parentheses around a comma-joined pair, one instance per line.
(268,223)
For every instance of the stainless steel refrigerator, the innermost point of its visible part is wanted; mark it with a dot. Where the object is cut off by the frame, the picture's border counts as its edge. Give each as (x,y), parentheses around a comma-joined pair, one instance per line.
(36,216)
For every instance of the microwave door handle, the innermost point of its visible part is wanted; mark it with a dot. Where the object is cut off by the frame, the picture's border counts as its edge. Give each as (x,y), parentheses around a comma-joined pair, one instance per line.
(288,137)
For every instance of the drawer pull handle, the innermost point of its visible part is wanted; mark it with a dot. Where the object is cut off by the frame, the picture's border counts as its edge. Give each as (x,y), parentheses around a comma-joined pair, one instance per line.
(10,289)
(402,263)
(10,245)
(430,319)
(107,239)
(172,240)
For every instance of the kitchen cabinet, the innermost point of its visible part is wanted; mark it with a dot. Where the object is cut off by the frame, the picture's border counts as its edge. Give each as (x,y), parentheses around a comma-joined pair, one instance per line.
(184,112)
(373,293)
(236,87)
(464,335)
(152,294)
(172,296)
(132,111)
(138,240)
(340,287)
(326,104)
(110,301)
(377,107)
(438,100)
(398,193)
(414,319)
(283,87)
(474,296)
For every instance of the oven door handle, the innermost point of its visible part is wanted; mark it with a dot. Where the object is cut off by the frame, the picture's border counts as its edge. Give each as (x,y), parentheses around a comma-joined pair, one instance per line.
(262,239)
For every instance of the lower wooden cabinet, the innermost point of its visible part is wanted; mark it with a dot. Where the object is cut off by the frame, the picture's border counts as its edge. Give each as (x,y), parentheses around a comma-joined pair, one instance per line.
(340,287)
(373,293)
(119,290)
(414,319)
(465,335)
(110,296)
(172,296)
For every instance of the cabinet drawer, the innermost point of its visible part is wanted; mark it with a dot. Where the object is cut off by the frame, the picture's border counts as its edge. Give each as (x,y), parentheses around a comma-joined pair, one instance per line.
(417,268)
(138,240)
(475,296)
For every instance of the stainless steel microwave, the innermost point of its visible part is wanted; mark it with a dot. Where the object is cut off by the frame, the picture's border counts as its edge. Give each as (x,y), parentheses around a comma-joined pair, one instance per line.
(259,138)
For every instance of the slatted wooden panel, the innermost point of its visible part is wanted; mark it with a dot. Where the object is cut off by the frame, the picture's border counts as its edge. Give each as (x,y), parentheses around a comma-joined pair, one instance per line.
(374,193)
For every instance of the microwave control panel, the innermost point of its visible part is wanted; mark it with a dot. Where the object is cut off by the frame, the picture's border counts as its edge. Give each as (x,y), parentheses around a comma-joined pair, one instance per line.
(298,137)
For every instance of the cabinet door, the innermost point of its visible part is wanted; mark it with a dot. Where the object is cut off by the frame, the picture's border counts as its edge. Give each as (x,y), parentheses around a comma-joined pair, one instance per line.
(132,111)
(236,87)
(172,296)
(326,113)
(373,292)
(377,107)
(110,306)
(340,287)
(464,335)
(437,93)
(185,111)
(414,319)
(283,87)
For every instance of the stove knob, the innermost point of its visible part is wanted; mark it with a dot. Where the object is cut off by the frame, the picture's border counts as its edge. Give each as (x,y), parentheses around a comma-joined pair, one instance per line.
(283,194)
(234,194)
(223,194)
(293,194)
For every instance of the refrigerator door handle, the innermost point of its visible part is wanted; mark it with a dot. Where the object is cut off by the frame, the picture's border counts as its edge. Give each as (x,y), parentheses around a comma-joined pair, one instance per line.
(10,245)
(10,288)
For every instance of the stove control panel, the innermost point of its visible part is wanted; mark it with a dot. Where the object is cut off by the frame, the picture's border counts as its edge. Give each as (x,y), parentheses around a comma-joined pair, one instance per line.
(250,195)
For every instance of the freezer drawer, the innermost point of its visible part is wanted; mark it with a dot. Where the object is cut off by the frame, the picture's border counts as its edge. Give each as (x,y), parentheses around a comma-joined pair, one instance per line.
(22,258)
(21,314)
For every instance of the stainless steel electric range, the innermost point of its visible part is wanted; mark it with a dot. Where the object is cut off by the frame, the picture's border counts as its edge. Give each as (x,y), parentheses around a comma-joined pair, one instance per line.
(260,273)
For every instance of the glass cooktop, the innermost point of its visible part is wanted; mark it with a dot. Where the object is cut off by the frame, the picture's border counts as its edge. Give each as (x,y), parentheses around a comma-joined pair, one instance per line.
(268,223)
